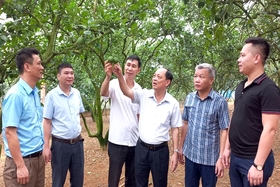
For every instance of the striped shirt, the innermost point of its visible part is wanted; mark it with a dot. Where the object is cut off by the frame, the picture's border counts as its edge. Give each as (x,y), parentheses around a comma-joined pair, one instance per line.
(205,120)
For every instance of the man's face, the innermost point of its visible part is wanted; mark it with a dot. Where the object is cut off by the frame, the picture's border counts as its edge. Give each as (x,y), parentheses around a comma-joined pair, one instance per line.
(202,80)
(36,69)
(131,69)
(66,76)
(247,59)
(159,80)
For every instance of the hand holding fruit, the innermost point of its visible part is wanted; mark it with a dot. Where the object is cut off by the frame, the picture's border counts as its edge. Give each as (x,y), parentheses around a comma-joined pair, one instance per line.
(108,68)
(117,70)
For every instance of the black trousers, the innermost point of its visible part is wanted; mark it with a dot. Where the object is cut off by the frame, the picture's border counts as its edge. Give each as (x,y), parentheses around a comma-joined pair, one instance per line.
(147,160)
(118,155)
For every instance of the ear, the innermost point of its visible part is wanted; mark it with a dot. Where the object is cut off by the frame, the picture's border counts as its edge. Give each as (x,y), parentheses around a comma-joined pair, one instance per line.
(26,67)
(258,59)
(168,82)
(211,80)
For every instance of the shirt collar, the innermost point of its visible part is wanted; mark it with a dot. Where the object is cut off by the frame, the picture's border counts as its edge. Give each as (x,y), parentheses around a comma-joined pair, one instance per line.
(26,87)
(210,95)
(152,94)
(257,80)
(60,92)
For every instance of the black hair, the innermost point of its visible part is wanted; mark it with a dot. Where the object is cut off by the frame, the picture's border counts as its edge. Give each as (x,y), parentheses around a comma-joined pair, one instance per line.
(25,56)
(63,65)
(261,44)
(135,57)
(168,75)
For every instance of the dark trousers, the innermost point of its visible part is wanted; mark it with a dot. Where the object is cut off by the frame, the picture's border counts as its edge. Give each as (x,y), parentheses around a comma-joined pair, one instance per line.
(66,156)
(147,160)
(239,168)
(118,155)
(194,171)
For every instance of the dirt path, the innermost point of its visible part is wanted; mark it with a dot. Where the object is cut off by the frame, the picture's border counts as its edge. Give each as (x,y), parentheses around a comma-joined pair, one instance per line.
(96,165)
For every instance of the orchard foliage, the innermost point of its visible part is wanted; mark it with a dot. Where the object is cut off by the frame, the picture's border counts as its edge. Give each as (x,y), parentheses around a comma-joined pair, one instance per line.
(171,33)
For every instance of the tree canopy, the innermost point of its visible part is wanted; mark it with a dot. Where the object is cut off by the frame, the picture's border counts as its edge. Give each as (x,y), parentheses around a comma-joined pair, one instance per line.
(171,33)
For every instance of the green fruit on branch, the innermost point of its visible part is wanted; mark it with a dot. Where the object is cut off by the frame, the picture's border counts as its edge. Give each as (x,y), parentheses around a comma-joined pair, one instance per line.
(111,59)
(239,47)
(115,60)
(80,40)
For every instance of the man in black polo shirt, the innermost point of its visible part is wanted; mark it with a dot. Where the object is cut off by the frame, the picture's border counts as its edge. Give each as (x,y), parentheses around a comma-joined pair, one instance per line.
(254,121)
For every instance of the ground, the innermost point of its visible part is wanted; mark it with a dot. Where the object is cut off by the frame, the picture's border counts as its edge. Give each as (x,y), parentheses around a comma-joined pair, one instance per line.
(96,165)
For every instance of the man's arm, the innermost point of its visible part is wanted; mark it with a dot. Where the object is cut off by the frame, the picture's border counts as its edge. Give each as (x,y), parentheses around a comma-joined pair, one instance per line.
(219,170)
(104,90)
(184,131)
(223,140)
(270,124)
(13,143)
(175,140)
(125,89)
(226,153)
(47,124)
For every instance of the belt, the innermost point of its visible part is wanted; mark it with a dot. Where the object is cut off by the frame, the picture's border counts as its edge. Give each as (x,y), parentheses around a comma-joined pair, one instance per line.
(33,155)
(152,146)
(71,141)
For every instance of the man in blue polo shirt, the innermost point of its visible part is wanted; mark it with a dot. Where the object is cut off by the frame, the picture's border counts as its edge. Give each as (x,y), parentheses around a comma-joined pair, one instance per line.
(22,125)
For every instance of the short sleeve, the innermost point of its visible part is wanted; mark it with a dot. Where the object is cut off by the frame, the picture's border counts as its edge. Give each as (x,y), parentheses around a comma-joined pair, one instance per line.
(12,110)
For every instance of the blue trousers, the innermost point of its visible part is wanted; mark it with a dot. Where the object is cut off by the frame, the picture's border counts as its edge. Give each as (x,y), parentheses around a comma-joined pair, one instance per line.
(118,155)
(194,171)
(239,168)
(66,157)
(149,160)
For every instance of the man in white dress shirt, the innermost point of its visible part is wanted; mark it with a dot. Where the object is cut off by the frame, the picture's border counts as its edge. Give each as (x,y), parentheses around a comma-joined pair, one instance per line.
(159,112)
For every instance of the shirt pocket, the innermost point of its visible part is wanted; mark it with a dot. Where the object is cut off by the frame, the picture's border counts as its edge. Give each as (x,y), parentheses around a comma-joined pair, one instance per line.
(209,122)
(165,118)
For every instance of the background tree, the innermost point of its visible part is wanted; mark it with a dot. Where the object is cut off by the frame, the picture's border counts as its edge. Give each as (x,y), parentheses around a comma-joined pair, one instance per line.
(225,19)
(85,34)
(171,33)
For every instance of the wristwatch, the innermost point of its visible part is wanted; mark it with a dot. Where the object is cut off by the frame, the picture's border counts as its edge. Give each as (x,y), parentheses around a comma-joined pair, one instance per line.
(258,167)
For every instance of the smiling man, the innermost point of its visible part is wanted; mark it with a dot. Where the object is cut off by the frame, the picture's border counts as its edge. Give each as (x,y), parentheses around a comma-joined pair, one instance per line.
(159,112)
(123,130)
(62,109)
(22,125)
